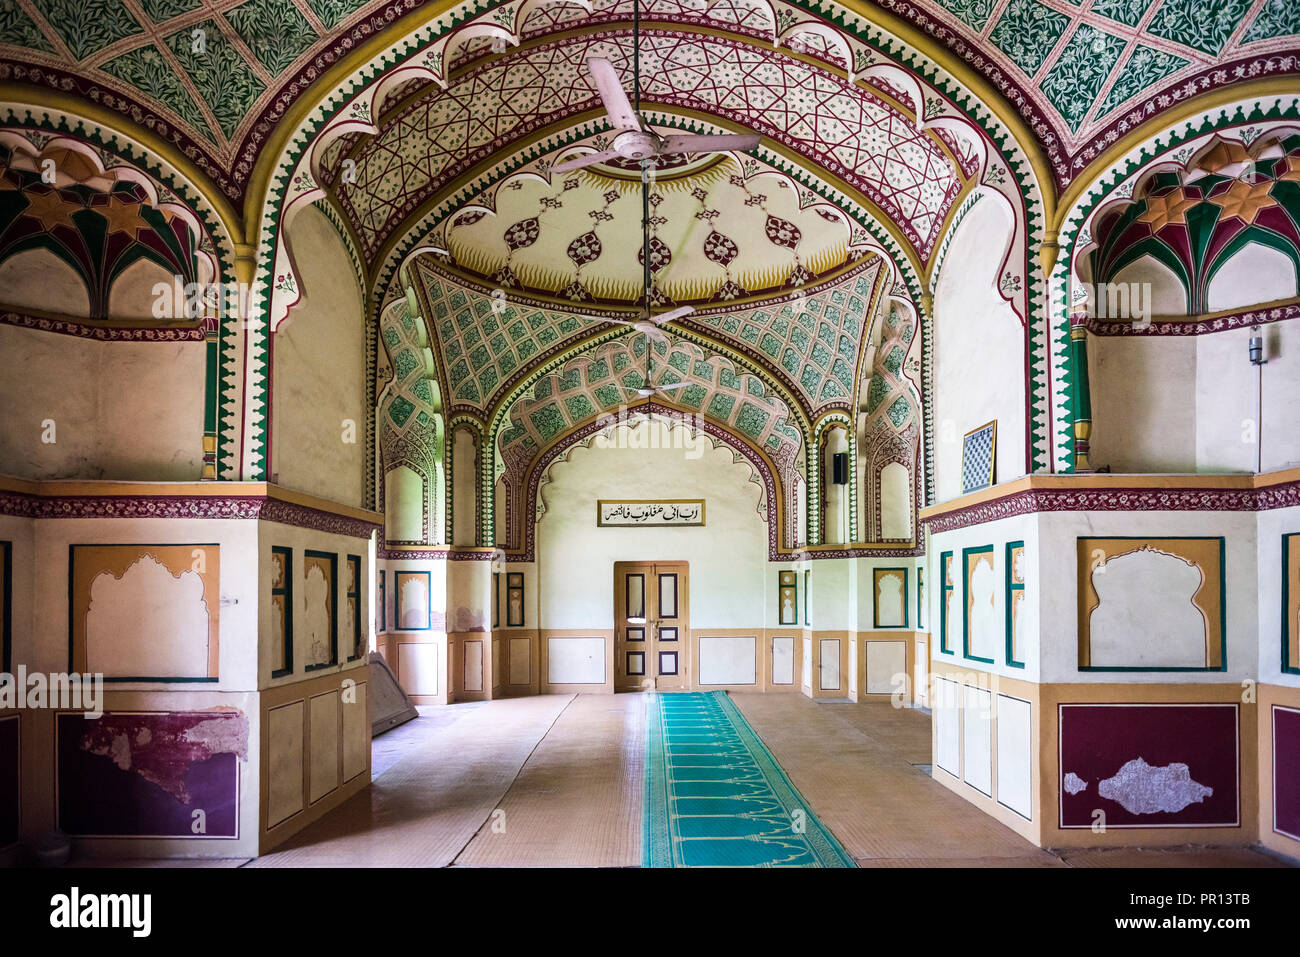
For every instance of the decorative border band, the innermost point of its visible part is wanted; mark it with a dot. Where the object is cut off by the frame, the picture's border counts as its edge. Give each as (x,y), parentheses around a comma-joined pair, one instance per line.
(1194,327)
(1283,495)
(248,507)
(71,327)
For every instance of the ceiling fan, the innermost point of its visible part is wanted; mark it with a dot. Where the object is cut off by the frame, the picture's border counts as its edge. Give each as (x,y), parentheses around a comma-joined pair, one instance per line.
(636,140)
(647,389)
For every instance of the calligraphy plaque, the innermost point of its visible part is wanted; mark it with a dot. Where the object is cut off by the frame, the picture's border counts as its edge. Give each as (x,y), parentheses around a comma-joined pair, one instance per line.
(645,513)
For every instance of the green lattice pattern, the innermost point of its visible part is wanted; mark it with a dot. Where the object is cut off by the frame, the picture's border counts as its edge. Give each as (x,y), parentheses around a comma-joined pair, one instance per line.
(813,339)
(485,341)
(602,380)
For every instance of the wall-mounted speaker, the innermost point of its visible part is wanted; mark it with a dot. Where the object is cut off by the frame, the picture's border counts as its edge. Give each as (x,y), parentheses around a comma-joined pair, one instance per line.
(840,468)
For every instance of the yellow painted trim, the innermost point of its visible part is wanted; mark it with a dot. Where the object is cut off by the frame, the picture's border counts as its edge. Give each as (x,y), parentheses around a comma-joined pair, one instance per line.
(1100,481)
(99,116)
(1185,110)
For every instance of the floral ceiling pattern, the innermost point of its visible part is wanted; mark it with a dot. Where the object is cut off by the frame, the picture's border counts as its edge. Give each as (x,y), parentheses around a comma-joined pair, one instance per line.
(1081,71)
(1084,72)
(864,139)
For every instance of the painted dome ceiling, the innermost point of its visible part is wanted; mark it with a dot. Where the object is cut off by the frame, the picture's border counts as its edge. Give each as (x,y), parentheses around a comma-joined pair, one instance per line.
(1079,71)
(717,235)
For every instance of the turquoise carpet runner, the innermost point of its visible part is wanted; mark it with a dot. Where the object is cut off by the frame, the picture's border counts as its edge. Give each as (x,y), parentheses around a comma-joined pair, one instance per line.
(715,796)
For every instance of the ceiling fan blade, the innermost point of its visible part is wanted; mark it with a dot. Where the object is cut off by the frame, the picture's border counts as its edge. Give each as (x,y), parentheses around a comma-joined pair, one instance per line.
(672,315)
(578,162)
(669,386)
(694,143)
(621,114)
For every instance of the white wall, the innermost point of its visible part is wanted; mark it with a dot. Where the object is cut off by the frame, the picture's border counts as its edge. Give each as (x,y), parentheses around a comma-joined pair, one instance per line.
(1187,403)
(121,410)
(319,357)
(728,556)
(979,351)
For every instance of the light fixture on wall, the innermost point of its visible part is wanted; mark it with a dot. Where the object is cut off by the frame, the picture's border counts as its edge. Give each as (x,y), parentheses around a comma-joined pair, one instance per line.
(1256,347)
(1256,353)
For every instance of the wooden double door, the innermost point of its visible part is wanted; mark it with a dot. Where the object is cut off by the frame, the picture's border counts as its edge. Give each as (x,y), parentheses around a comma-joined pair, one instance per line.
(652,626)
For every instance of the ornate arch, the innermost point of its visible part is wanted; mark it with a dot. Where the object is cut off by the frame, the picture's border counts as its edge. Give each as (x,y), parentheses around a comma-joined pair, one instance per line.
(645,408)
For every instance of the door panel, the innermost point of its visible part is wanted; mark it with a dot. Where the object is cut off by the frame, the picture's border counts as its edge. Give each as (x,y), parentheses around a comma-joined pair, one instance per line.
(651,626)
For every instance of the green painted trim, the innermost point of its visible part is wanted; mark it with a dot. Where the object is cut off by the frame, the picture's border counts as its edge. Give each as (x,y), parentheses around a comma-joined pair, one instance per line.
(965,601)
(920,596)
(779,586)
(1223,608)
(1288,667)
(944,590)
(807,597)
(334,608)
(1012,661)
(287,591)
(875,608)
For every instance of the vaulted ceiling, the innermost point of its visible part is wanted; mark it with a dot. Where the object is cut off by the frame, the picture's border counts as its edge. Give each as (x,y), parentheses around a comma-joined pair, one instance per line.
(216,76)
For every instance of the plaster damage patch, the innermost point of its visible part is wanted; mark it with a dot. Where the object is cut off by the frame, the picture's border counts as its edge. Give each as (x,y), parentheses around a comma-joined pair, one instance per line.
(1143,789)
(1074,784)
(162,747)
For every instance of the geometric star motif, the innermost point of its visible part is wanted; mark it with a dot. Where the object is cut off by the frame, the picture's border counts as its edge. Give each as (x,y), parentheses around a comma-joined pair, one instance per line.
(49,208)
(1170,207)
(1245,200)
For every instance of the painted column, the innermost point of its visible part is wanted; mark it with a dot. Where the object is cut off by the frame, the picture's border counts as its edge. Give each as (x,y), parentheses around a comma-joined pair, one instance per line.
(1080,399)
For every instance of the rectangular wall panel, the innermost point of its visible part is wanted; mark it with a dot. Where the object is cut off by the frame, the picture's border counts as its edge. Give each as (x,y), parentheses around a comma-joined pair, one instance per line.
(782,661)
(417,667)
(1015,755)
(977,740)
(473,676)
(10,775)
(830,664)
(356,733)
(284,763)
(1149,765)
(324,775)
(807,663)
(575,661)
(728,660)
(886,660)
(521,668)
(947,741)
(1286,771)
